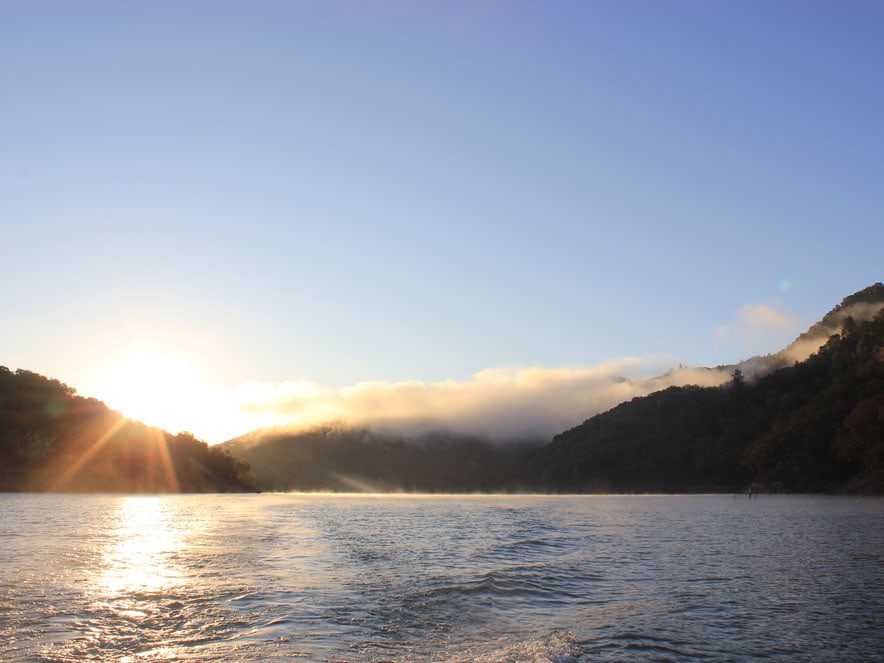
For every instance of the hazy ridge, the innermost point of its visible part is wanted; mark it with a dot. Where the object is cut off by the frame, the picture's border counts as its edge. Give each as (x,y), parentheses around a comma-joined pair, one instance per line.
(808,418)
(802,419)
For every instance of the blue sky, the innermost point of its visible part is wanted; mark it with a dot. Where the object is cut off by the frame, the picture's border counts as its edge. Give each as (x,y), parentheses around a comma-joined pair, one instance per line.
(335,194)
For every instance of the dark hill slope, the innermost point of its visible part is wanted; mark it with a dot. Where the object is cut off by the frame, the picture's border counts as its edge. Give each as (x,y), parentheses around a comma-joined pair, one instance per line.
(334,458)
(861,306)
(813,426)
(53,440)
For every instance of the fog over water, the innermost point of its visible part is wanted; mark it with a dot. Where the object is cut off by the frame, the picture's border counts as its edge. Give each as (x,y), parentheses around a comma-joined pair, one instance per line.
(277,577)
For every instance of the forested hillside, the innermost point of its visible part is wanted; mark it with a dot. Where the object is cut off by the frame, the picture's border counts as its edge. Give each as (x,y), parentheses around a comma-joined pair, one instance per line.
(51,439)
(814,426)
(334,458)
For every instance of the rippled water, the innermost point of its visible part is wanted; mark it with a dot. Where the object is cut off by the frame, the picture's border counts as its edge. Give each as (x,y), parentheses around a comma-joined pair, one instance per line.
(354,578)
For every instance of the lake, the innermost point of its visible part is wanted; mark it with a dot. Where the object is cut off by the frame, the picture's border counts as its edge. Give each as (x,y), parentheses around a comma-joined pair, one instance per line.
(293,577)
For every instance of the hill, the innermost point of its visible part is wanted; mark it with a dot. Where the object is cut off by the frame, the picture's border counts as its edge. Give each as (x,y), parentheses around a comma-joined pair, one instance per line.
(810,425)
(336,458)
(815,426)
(860,306)
(803,426)
(51,439)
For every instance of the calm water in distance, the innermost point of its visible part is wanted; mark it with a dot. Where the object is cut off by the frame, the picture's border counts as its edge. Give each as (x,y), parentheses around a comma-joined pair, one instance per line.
(277,577)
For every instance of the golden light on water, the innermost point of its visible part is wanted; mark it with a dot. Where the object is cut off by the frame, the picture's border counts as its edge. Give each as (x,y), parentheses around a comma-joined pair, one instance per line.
(146,542)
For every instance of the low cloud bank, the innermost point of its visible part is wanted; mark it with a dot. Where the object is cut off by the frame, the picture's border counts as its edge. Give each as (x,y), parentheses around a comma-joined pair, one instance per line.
(528,402)
(498,403)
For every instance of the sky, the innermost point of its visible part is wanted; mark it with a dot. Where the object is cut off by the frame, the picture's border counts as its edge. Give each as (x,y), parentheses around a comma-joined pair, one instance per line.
(221,215)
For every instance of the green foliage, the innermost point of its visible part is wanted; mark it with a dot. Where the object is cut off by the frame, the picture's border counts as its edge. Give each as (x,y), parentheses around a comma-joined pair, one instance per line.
(861,436)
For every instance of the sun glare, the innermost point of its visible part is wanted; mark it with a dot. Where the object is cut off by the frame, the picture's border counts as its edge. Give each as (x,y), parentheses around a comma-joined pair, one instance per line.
(168,391)
(144,545)
(160,390)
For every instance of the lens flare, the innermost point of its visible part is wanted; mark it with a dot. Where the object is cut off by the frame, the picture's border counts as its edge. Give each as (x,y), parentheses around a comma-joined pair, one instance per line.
(159,389)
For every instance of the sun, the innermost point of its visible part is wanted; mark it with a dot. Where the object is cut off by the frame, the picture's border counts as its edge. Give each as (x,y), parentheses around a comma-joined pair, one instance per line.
(160,389)
(169,391)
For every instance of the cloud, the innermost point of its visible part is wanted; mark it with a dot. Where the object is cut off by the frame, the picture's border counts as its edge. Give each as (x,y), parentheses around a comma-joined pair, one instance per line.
(520,402)
(500,403)
(759,328)
(762,317)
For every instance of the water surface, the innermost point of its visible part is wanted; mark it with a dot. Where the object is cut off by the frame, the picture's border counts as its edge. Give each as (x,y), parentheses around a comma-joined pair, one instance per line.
(368,578)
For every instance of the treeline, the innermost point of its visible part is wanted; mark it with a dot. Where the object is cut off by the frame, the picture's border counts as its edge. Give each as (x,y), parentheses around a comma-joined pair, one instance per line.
(341,459)
(51,439)
(817,426)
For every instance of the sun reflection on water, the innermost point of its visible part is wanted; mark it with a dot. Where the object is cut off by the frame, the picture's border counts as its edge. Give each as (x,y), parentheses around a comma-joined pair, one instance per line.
(146,543)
